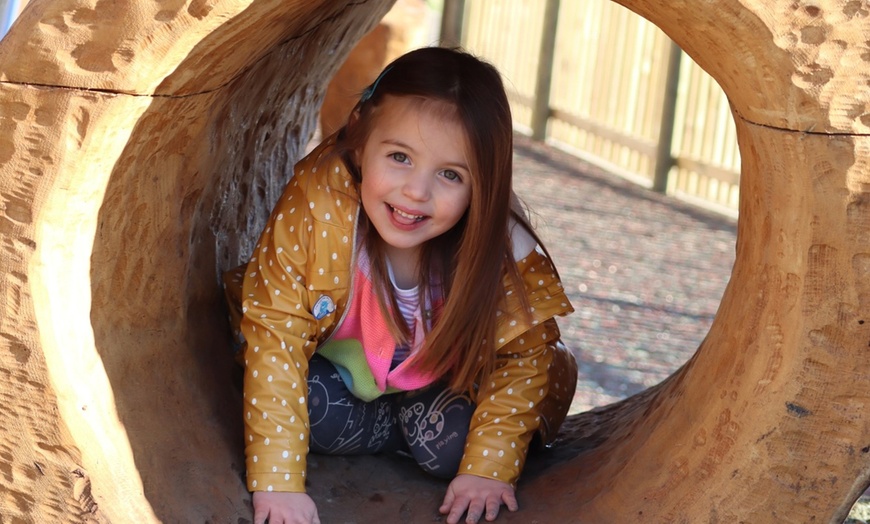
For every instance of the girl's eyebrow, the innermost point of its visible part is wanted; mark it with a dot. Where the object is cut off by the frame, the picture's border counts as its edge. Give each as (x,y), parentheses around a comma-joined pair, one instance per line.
(398,143)
(459,165)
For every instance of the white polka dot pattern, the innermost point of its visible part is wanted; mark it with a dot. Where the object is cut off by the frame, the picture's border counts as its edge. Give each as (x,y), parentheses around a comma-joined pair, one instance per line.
(304,241)
(522,395)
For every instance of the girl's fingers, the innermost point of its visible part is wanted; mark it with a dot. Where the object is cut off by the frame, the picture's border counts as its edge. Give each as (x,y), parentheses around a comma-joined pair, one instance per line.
(455,509)
(455,515)
(492,507)
(475,511)
(448,501)
(510,500)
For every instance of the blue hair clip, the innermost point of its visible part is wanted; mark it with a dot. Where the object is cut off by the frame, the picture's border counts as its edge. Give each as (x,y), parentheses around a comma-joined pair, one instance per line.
(370,90)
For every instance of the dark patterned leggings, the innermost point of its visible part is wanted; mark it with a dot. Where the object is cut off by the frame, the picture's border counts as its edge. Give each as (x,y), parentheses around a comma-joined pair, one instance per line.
(430,424)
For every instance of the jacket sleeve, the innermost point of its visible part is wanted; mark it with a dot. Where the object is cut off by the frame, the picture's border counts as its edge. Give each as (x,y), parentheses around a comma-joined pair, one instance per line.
(280,334)
(509,406)
(525,382)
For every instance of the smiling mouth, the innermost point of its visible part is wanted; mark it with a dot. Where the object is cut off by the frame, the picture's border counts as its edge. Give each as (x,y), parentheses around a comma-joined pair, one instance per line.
(407,216)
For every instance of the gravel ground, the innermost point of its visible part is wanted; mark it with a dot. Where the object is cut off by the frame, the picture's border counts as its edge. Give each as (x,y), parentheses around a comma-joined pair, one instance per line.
(645,273)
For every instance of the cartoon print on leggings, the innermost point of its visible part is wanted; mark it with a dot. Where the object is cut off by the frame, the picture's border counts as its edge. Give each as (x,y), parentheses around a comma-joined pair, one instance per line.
(423,424)
(325,409)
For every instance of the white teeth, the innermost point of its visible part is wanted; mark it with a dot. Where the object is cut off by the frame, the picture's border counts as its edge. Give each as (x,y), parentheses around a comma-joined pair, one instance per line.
(408,216)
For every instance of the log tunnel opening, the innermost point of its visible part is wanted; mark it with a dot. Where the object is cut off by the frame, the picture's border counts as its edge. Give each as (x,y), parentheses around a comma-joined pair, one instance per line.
(157,313)
(214,138)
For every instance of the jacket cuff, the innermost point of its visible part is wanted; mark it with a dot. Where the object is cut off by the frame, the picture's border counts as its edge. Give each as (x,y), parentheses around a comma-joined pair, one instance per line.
(290,482)
(496,464)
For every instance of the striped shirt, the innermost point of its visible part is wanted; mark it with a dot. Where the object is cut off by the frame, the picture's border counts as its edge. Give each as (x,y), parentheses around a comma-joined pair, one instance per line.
(408,301)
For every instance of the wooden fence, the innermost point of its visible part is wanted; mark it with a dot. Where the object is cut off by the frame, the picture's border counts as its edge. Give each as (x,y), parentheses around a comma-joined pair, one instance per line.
(593,78)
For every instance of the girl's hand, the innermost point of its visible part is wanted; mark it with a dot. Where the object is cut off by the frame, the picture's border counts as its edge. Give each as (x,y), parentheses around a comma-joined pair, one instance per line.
(476,494)
(284,508)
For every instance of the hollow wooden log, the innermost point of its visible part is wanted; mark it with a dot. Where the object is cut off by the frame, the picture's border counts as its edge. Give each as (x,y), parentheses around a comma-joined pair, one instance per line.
(142,146)
(768,421)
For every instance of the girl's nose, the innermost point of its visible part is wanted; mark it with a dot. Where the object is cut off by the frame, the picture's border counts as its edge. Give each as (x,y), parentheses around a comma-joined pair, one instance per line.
(417,186)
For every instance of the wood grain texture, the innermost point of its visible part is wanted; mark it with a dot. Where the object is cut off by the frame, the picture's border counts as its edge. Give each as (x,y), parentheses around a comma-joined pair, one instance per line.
(143,144)
(767,422)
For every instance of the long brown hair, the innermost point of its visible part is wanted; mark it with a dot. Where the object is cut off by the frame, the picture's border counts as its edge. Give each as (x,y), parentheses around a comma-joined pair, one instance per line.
(468,262)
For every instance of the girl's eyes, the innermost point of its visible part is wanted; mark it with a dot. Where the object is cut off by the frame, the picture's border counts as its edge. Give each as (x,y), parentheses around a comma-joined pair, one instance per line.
(451,175)
(399,157)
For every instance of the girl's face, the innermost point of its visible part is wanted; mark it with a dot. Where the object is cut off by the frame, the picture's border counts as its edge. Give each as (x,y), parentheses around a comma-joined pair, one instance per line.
(416,181)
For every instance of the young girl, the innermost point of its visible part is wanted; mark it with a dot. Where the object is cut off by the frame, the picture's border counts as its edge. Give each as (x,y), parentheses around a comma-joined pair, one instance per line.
(399,301)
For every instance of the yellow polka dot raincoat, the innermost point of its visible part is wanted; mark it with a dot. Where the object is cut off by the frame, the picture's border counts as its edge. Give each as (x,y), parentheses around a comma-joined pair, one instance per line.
(306,253)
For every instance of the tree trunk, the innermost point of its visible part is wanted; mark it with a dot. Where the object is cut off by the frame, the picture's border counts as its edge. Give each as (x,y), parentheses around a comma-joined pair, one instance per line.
(142,147)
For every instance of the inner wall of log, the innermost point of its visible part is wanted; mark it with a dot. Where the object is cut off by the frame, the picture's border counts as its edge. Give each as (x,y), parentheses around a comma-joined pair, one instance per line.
(136,191)
(227,157)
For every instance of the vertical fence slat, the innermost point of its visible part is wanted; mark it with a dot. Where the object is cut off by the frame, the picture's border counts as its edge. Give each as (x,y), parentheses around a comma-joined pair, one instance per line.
(452,20)
(546,57)
(664,158)
(689,126)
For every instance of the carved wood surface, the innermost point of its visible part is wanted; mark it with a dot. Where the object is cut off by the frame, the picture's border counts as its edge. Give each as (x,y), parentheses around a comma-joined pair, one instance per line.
(142,144)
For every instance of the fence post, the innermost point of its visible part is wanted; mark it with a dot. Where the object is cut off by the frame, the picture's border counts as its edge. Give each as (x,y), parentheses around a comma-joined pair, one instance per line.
(452,15)
(664,158)
(546,56)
